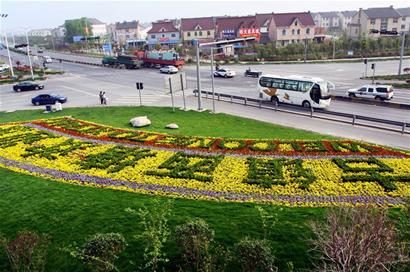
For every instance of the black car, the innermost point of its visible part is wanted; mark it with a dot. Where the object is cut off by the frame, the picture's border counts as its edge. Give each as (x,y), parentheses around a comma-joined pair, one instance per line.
(47,99)
(27,86)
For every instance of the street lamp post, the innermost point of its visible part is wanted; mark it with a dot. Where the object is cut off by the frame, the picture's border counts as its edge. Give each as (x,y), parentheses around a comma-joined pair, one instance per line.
(402,51)
(212,79)
(198,77)
(8,53)
(29,59)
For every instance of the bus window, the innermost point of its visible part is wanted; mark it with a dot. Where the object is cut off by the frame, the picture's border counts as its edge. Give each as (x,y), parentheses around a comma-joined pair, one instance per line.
(265,82)
(304,86)
(315,93)
(277,83)
(291,85)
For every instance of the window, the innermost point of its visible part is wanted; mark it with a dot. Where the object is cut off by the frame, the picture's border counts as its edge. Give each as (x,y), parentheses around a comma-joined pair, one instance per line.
(383,24)
(291,85)
(298,31)
(394,29)
(277,83)
(284,32)
(293,32)
(200,33)
(381,90)
(173,35)
(304,86)
(373,21)
(152,36)
(307,30)
(163,35)
(403,18)
(188,34)
(370,90)
(395,20)
(296,23)
(402,26)
(362,89)
(196,33)
(208,33)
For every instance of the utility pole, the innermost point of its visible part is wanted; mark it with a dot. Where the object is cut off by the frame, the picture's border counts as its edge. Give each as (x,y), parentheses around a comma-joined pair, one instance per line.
(8,53)
(28,55)
(304,57)
(198,77)
(12,36)
(402,51)
(334,46)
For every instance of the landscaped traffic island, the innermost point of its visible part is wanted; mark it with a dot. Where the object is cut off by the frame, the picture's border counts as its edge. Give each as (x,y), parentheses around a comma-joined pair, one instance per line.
(286,172)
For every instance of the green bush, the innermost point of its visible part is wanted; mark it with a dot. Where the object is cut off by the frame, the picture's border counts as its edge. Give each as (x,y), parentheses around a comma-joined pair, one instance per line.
(254,255)
(101,250)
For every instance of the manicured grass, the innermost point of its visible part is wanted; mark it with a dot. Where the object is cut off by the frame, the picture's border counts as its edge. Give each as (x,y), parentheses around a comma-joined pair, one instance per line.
(391,77)
(190,122)
(71,213)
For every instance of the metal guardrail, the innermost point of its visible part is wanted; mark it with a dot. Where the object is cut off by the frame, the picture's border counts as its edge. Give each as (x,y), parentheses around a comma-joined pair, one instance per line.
(353,119)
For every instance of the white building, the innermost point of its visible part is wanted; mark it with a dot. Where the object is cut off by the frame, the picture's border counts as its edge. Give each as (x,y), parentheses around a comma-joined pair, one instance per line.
(98,28)
(404,21)
(346,18)
(40,32)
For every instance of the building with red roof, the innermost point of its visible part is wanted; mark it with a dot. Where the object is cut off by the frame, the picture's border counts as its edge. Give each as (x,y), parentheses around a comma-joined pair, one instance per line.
(296,27)
(199,29)
(237,27)
(163,33)
(266,27)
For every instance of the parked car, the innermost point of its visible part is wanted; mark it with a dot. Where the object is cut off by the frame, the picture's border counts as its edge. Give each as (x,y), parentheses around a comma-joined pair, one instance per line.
(40,51)
(4,67)
(251,73)
(27,86)
(381,92)
(47,59)
(46,99)
(169,69)
(224,73)
(157,66)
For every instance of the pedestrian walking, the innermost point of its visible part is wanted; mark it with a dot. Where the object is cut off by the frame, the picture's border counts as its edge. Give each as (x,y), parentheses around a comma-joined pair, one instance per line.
(101,98)
(104,98)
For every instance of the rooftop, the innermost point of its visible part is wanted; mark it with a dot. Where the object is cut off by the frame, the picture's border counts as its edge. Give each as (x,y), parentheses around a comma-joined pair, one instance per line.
(94,21)
(163,27)
(188,24)
(286,19)
(126,25)
(385,12)
(404,11)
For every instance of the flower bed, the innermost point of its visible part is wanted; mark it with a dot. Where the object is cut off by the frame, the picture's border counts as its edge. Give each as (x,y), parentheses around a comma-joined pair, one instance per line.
(285,180)
(268,147)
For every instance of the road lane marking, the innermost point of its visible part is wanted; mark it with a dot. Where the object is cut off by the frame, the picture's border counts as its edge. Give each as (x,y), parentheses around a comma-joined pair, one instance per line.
(80,91)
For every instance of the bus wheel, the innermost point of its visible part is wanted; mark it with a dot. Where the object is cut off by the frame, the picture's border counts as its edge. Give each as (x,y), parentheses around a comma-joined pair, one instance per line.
(306,104)
(274,99)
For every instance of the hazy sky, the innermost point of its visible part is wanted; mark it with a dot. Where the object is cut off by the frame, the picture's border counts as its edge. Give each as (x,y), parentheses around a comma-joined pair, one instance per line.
(48,14)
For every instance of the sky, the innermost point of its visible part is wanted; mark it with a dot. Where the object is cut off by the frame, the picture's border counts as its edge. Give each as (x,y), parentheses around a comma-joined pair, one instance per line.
(24,15)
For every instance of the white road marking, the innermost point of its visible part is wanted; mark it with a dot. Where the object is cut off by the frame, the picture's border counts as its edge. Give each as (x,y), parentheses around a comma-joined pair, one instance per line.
(80,91)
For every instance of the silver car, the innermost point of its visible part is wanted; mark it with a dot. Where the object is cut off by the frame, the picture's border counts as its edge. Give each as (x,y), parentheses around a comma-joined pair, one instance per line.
(169,69)
(380,92)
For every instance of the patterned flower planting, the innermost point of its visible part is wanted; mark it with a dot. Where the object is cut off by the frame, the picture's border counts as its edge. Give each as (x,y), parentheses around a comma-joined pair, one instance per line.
(295,173)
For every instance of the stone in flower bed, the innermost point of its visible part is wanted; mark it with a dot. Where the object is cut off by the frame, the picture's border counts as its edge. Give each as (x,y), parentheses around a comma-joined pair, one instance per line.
(141,121)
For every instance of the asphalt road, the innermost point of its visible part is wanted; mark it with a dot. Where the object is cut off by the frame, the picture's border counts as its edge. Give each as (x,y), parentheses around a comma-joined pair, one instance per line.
(82,83)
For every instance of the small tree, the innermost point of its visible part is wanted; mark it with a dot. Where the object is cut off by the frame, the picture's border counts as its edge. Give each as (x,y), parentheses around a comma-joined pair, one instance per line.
(155,232)
(195,237)
(268,220)
(254,255)
(357,239)
(101,250)
(27,252)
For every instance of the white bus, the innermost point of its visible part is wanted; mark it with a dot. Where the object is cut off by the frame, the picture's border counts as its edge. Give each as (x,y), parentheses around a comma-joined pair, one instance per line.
(297,90)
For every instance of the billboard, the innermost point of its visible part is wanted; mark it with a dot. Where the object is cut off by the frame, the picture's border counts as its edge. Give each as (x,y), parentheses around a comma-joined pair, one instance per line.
(228,33)
(249,32)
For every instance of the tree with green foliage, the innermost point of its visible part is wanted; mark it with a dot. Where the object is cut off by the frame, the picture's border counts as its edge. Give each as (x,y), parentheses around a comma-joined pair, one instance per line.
(254,255)
(77,27)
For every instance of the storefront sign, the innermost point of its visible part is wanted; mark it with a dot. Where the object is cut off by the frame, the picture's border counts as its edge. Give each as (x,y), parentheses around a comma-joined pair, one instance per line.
(164,39)
(250,32)
(228,33)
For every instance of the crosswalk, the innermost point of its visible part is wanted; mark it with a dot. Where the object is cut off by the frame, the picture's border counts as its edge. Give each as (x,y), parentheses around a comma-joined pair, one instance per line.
(147,98)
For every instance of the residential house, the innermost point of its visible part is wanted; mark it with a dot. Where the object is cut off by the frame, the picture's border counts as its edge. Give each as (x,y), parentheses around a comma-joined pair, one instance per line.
(346,18)
(404,21)
(330,20)
(40,32)
(164,34)
(98,28)
(266,27)
(197,29)
(126,32)
(237,27)
(293,28)
(370,22)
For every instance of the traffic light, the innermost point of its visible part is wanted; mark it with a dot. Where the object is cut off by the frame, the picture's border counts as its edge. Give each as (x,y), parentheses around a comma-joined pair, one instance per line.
(20,45)
(140,86)
(365,61)
(373,66)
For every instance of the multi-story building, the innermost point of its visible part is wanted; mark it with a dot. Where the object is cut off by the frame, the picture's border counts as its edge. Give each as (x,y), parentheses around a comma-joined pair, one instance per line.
(293,28)
(330,20)
(163,34)
(197,29)
(370,22)
(266,27)
(40,32)
(127,31)
(237,27)
(346,18)
(98,28)
(404,21)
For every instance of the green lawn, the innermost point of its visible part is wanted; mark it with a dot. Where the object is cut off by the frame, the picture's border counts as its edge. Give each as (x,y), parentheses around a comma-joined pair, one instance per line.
(71,213)
(190,122)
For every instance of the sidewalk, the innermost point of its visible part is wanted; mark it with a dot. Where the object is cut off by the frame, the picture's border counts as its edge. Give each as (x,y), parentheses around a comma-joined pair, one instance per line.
(392,139)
